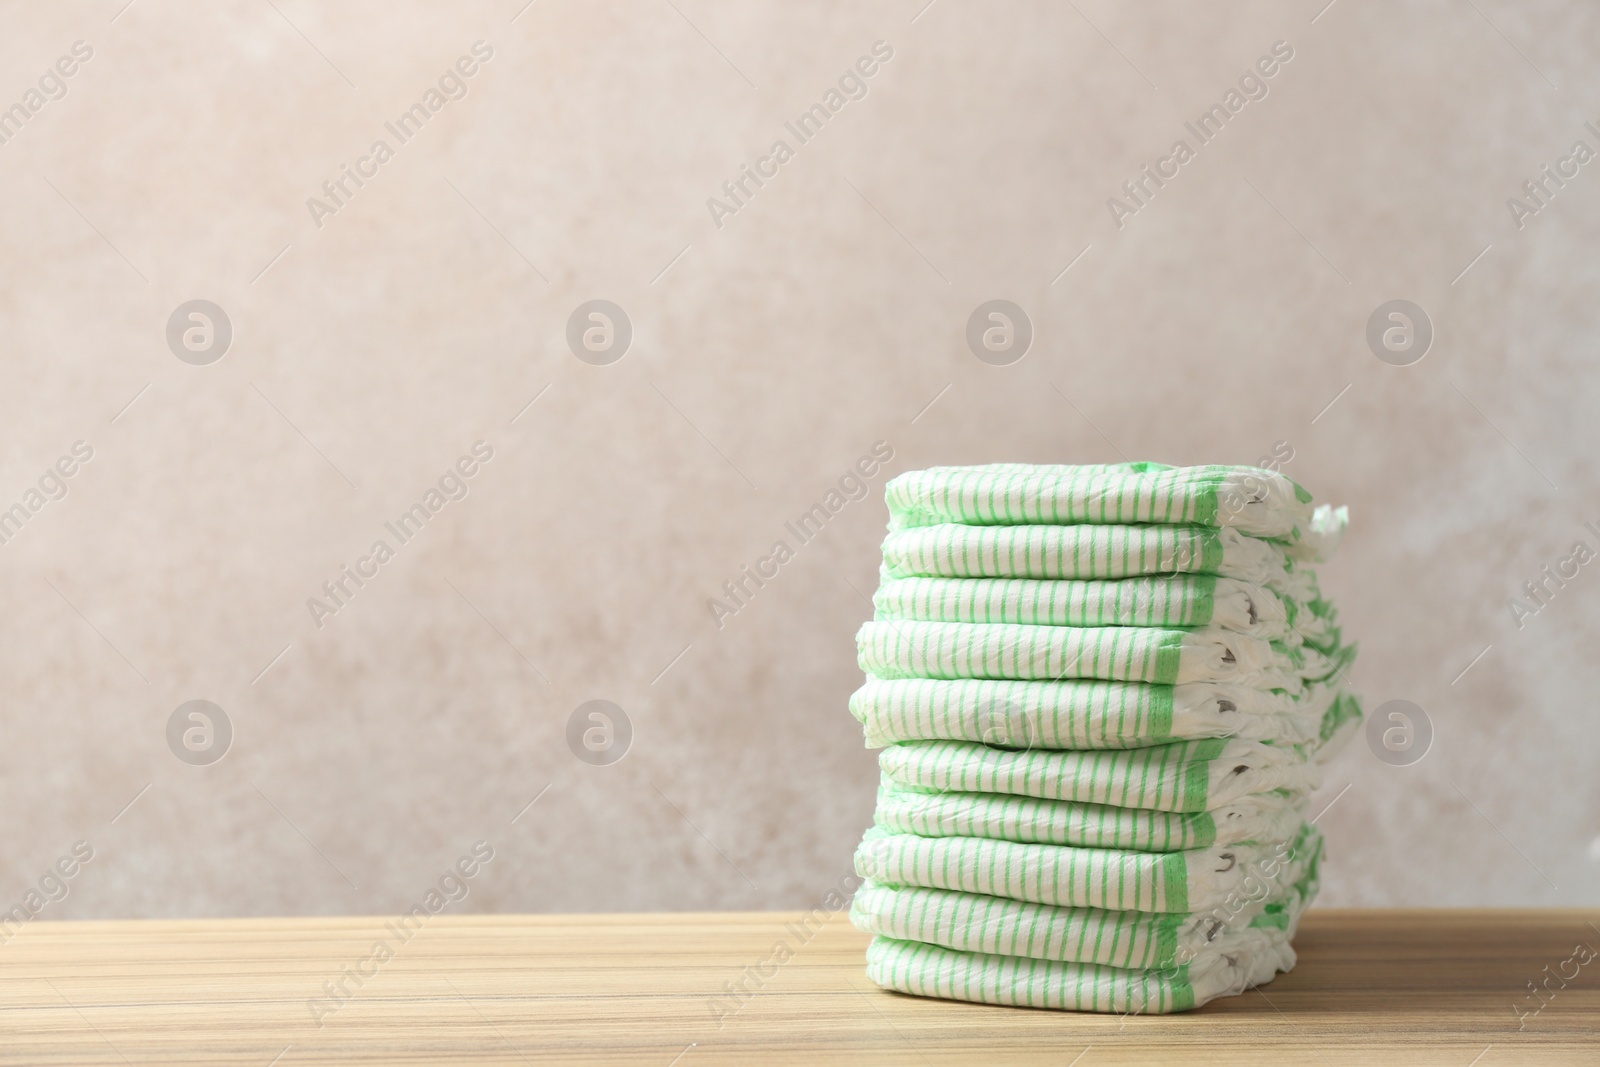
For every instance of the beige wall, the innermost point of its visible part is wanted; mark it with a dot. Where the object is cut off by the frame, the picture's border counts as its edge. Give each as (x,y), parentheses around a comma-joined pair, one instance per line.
(822,317)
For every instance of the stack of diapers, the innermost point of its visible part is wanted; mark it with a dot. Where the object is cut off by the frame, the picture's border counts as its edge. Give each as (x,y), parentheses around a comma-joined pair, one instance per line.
(1103,695)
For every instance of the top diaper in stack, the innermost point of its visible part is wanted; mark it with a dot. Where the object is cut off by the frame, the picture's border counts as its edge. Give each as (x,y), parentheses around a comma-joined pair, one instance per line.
(1103,695)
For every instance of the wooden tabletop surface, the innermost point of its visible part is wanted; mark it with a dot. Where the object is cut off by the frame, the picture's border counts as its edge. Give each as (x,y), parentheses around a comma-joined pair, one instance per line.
(1372,987)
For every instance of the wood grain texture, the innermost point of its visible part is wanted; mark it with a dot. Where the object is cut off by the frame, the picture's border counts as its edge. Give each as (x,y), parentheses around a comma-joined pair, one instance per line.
(1419,987)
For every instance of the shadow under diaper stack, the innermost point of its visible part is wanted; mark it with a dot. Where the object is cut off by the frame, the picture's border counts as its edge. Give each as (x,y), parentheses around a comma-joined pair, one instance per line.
(1103,695)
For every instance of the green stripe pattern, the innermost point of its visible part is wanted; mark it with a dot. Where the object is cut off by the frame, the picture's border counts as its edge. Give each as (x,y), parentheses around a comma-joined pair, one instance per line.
(1271,816)
(1183,776)
(952,551)
(908,649)
(1179,600)
(1015,714)
(1122,879)
(1103,696)
(1079,714)
(1186,600)
(931,971)
(1263,503)
(1091,552)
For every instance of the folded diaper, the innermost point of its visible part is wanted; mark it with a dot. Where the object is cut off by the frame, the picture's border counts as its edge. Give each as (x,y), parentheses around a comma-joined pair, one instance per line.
(930,971)
(1171,601)
(1076,714)
(1263,817)
(1071,552)
(911,649)
(1184,600)
(1257,501)
(1180,776)
(1121,879)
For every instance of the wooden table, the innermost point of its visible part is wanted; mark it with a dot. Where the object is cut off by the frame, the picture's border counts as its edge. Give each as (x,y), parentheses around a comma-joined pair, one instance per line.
(1372,987)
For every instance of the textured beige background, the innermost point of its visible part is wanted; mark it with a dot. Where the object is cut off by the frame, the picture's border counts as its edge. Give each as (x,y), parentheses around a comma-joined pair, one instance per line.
(826,315)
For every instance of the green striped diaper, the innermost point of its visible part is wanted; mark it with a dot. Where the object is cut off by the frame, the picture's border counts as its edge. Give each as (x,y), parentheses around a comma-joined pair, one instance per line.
(1182,776)
(1004,817)
(1073,552)
(1185,600)
(1257,501)
(1119,879)
(909,649)
(930,971)
(1076,714)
